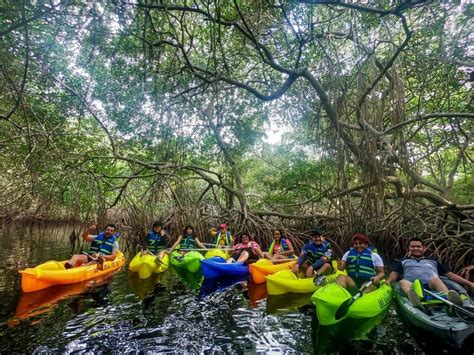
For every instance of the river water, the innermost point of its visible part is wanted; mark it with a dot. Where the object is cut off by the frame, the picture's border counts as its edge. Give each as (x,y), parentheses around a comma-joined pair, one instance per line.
(170,313)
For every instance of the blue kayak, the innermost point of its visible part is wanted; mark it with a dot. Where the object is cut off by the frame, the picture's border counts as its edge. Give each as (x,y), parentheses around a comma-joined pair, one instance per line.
(217,267)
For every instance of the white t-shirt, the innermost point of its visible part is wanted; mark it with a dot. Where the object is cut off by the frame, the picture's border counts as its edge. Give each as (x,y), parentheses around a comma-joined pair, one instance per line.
(376,259)
(116,245)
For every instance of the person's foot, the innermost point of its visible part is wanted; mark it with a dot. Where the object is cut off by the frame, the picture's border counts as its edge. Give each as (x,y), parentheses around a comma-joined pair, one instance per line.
(454,297)
(415,300)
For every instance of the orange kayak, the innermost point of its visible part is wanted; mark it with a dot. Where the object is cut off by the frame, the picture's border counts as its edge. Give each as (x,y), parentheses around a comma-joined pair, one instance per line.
(264,267)
(53,273)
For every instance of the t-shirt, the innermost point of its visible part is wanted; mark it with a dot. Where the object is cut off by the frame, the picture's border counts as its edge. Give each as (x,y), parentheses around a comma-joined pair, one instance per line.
(420,268)
(376,259)
(116,245)
(250,244)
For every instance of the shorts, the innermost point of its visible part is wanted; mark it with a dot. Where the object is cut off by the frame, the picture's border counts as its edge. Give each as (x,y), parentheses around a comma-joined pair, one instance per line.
(252,256)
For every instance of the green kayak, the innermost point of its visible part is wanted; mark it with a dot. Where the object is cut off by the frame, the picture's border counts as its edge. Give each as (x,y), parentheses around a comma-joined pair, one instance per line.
(451,328)
(329,298)
(189,261)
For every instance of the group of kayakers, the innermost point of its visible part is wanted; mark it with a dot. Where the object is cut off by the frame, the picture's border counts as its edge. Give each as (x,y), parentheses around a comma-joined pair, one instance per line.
(364,265)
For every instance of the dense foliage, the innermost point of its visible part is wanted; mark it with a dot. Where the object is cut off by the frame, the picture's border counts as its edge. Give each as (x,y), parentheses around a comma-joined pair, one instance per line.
(147,109)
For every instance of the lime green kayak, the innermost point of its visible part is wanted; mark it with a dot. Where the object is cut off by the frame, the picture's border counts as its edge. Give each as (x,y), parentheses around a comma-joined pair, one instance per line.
(188,261)
(286,281)
(146,265)
(330,297)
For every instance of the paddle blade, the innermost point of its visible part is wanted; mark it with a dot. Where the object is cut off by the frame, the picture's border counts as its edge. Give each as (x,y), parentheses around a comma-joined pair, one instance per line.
(344,308)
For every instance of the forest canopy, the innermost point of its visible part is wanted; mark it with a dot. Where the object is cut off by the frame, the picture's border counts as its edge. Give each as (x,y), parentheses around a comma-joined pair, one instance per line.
(138,110)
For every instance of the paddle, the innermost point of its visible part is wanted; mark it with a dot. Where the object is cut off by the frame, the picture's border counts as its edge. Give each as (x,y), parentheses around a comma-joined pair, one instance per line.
(204,249)
(344,307)
(157,258)
(459,308)
(99,260)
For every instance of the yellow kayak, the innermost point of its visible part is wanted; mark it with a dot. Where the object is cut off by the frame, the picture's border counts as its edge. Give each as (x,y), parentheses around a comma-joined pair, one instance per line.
(286,281)
(264,267)
(146,265)
(53,273)
(216,252)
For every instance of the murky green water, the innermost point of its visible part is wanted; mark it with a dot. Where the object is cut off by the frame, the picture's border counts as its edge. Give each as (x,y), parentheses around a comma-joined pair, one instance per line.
(170,313)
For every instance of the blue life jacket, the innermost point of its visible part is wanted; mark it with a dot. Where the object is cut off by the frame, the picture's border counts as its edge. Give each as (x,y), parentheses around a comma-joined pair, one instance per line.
(283,244)
(155,242)
(360,265)
(217,238)
(315,252)
(103,245)
(187,242)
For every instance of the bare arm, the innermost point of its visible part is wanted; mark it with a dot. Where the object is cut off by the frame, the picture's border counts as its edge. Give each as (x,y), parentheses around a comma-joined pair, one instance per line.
(380,274)
(112,256)
(460,280)
(87,234)
(176,243)
(199,244)
(392,277)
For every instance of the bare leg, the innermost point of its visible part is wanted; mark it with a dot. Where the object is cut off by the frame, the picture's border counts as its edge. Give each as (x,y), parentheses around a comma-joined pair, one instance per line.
(243,256)
(310,272)
(325,269)
(78,260)
(267,255)
(405,286)
(345,281)
(437,285)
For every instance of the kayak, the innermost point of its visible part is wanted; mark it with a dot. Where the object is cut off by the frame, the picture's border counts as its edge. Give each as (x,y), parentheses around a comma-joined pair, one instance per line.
(286,281)
(216,252)
(452,329)
(329,298)
(218,267)
(41,302)
(264,267)
(146,265)
(256,293)
(53,273)
(188,261)
(192,280)
(209,286)
(289,301)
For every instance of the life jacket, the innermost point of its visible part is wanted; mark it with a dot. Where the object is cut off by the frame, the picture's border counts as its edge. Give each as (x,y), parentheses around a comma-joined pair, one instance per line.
(155,242)
(103,245)
(218,238)
(315,252)
(360,265)
(283,244)
(187,242)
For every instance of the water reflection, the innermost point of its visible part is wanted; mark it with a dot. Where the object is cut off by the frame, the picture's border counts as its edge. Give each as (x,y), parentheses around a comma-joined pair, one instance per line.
(173,312)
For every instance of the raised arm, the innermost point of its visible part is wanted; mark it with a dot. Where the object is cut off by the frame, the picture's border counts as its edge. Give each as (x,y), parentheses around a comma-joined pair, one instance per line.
(87,234)
(176,243)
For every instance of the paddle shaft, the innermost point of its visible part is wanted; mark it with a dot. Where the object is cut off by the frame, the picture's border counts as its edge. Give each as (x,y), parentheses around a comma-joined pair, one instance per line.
(90,256)
(461,309)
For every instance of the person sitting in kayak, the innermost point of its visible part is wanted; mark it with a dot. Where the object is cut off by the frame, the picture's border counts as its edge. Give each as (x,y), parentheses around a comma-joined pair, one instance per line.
(157,241)
(281,247)
(315,257)
(246,250)
(417,267)
(223,238)
(187,241)
(104,247)
(363,264)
